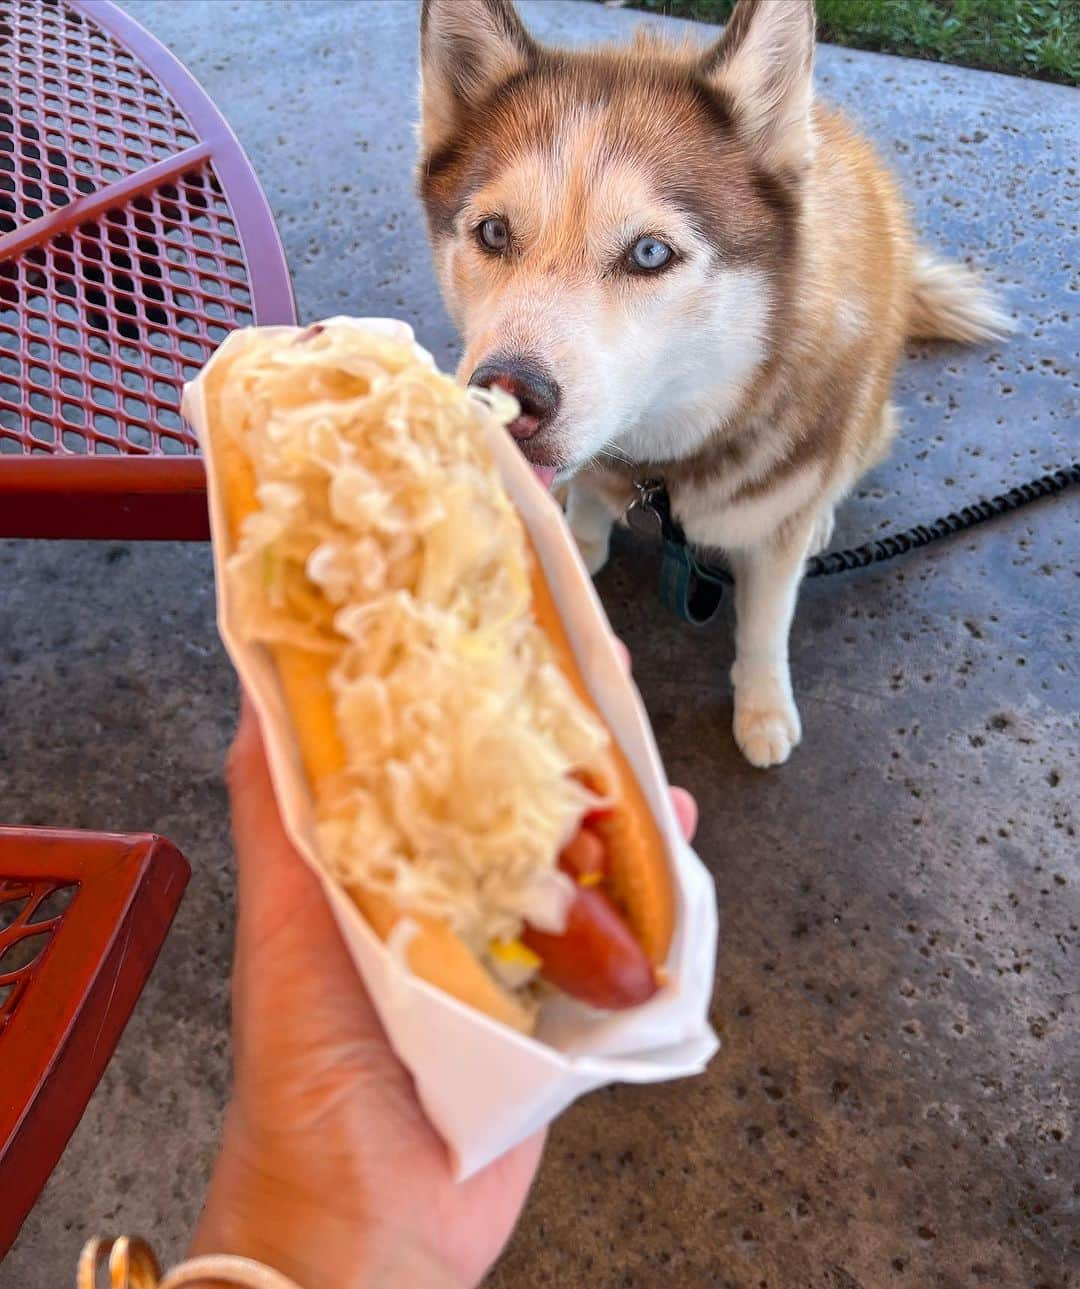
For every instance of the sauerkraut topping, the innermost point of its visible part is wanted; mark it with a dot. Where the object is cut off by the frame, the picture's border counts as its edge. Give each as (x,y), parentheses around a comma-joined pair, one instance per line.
(385,539)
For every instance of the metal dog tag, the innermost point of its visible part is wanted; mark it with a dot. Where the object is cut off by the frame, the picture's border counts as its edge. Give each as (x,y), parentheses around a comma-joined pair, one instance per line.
(642,514)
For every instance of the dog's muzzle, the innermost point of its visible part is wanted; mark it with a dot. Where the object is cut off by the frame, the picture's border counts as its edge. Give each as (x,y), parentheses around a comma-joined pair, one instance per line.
(536,391)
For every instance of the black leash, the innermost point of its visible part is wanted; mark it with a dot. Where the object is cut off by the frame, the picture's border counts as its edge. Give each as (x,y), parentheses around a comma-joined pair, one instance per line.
(694,589)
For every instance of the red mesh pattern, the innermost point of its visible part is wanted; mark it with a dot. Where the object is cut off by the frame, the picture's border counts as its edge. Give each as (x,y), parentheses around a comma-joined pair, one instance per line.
(82,113)
(82,917)
(30,912)
(100,326)
(133,237)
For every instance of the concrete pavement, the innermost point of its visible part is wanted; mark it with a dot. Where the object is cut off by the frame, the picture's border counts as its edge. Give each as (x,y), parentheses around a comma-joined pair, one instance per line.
(896,1100)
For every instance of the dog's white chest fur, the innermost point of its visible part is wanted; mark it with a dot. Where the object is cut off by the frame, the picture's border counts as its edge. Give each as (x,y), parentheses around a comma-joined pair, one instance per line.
(711,519)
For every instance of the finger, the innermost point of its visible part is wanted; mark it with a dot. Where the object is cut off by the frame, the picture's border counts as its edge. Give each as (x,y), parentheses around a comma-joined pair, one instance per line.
(624,655)
(686,811)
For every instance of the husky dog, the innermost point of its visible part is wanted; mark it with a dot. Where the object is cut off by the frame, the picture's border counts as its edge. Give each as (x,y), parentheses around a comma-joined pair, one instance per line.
(686,267)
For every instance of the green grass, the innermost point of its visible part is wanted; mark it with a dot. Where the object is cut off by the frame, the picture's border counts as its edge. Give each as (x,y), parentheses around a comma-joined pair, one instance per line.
(1039,38)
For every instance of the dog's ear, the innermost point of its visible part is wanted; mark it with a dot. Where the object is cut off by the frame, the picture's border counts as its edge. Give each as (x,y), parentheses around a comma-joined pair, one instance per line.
(764,63)
(467,48)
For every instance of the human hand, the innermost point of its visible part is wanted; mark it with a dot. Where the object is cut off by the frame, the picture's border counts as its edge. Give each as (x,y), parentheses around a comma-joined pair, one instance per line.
(329,1170)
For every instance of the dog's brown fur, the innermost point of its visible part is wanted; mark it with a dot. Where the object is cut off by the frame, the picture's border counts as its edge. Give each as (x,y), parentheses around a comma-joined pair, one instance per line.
(798,281)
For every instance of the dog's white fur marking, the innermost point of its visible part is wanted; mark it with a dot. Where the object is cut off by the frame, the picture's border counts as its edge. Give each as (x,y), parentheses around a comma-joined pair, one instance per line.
(704,368)
(822,532)
(733,526)
(590,519)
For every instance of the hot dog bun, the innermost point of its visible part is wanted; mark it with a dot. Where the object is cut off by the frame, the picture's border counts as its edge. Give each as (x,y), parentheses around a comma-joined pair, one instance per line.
(257,394)
(639,876)
(434,952)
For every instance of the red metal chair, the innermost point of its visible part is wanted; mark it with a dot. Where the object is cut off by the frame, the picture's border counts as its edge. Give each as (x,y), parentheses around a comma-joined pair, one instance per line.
(82,917)
(133,236)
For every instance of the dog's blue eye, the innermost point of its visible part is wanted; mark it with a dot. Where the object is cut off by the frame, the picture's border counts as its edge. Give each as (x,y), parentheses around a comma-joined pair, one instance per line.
(494,234)
(649,253)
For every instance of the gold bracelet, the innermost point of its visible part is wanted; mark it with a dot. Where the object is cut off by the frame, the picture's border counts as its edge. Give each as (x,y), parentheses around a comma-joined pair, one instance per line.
(131,1265)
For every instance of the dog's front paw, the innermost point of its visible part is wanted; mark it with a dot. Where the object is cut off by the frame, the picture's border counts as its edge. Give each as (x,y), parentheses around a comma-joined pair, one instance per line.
(766,737)
(767,723)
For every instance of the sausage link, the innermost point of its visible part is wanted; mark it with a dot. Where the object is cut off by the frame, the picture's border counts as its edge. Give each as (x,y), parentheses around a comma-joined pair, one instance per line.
(596,959)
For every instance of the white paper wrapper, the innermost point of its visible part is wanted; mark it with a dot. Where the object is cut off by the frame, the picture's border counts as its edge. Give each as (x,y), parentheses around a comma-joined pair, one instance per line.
(486,1087)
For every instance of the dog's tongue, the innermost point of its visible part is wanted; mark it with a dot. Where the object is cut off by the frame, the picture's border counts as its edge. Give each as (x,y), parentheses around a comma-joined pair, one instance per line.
(545,473)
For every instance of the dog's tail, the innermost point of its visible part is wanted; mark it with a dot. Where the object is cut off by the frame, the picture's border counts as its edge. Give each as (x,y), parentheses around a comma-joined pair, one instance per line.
(947,303)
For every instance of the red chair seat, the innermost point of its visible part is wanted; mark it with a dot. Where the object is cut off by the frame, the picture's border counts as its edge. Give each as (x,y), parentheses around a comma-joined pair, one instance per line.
(82,918)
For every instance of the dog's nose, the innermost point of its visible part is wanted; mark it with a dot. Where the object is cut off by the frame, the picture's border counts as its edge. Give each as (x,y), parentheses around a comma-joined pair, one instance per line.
(536,392)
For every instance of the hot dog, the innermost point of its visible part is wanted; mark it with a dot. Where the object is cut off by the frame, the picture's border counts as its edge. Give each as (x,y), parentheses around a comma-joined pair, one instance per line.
(596,958)
(463,779)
